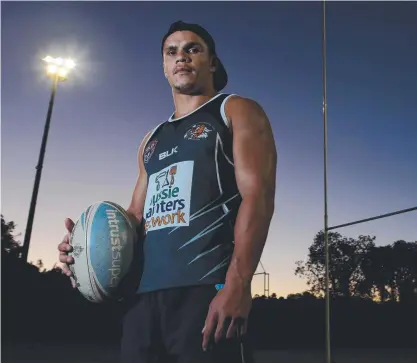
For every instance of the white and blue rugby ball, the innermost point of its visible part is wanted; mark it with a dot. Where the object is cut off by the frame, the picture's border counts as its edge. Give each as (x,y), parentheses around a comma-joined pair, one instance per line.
(103,241)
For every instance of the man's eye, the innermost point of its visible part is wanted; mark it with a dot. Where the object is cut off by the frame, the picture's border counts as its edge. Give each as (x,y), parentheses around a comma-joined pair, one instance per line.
(193,50)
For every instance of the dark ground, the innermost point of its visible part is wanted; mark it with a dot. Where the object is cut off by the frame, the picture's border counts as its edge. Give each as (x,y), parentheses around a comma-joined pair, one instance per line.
(12,353)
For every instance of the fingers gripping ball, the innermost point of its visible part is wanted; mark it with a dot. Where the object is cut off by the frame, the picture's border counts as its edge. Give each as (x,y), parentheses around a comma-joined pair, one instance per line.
(103,241)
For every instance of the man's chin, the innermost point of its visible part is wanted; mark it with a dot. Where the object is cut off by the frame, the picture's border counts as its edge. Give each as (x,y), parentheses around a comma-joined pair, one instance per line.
(187,89)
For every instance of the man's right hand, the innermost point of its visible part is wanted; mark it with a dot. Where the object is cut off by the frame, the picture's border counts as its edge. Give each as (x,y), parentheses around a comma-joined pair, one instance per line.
(63,248)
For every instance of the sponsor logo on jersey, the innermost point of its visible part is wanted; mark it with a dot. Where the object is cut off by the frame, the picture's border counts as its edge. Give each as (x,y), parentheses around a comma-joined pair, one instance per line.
(165,154)
(168,197)
(149,150)
(198,131)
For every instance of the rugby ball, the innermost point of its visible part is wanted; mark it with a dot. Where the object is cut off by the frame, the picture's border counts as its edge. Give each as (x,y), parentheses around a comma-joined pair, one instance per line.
(103,242)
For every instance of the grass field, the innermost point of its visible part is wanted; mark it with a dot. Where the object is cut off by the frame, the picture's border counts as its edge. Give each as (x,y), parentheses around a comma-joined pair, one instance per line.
(89,354)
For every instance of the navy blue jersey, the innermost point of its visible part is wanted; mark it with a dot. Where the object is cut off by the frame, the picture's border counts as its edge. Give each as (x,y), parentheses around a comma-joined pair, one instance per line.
(192,200)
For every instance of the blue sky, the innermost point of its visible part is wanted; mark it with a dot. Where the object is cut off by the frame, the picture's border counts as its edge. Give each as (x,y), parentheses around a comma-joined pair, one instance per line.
(272,51)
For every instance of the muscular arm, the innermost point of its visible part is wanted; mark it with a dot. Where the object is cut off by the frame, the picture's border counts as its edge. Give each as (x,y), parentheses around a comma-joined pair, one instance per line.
(255,160)
(135,210)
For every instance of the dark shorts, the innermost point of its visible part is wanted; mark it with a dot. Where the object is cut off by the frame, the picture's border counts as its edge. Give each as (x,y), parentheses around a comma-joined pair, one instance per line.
(165,327)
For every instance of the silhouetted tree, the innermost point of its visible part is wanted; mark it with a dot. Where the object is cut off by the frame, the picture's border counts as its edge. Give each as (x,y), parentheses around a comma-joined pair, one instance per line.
(404,269)
(344,271)
(359,268)
(304,295)
(378,269)
(392,271)
(40,265)
(264,297)
(8,239)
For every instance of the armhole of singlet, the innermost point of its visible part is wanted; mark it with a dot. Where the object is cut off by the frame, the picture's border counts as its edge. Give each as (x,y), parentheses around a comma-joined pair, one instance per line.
(223,112)
(146,139)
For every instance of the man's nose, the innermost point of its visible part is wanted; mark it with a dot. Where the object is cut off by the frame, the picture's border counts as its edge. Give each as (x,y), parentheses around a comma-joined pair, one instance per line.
(182,57)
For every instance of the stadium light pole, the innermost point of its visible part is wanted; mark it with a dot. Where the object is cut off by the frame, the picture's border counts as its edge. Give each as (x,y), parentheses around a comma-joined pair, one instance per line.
(57,69)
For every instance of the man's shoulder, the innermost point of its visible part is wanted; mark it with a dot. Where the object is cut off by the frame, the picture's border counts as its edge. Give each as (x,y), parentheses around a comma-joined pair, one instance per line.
(238,104)
(235,99)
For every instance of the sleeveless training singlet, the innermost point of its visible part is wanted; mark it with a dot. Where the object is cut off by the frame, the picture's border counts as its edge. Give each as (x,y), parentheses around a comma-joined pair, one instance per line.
(192,200)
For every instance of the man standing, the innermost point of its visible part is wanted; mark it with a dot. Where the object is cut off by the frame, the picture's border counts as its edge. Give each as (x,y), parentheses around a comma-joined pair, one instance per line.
(204,199)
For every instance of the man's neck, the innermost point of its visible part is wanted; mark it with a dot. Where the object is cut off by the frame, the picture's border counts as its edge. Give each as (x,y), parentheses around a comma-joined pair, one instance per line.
(184,104)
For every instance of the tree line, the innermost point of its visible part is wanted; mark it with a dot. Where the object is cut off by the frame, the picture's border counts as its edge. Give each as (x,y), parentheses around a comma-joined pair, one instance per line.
(372,289)
(359,268)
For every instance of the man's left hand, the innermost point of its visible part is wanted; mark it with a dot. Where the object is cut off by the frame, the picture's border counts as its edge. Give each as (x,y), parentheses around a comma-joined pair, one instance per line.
(228,312)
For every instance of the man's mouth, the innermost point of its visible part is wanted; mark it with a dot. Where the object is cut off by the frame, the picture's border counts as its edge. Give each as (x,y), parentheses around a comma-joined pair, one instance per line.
(182,70)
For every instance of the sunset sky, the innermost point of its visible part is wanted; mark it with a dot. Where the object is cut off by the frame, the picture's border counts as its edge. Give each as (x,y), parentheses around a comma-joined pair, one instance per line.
(272,52)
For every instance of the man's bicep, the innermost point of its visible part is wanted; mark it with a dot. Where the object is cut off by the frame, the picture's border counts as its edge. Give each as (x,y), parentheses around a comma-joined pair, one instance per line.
(254,149)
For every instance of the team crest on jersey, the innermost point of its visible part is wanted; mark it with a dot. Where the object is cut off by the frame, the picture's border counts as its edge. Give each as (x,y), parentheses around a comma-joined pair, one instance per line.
(149,150)
(198,131)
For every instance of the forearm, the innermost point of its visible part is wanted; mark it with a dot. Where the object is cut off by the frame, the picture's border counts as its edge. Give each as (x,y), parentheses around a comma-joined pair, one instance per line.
(137,220)
(251,230)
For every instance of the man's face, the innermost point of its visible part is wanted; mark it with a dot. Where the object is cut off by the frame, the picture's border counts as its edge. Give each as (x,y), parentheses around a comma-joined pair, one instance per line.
(188,65)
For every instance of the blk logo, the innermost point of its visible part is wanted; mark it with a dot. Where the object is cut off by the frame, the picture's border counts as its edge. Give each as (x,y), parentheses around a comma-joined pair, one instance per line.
(166,154)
